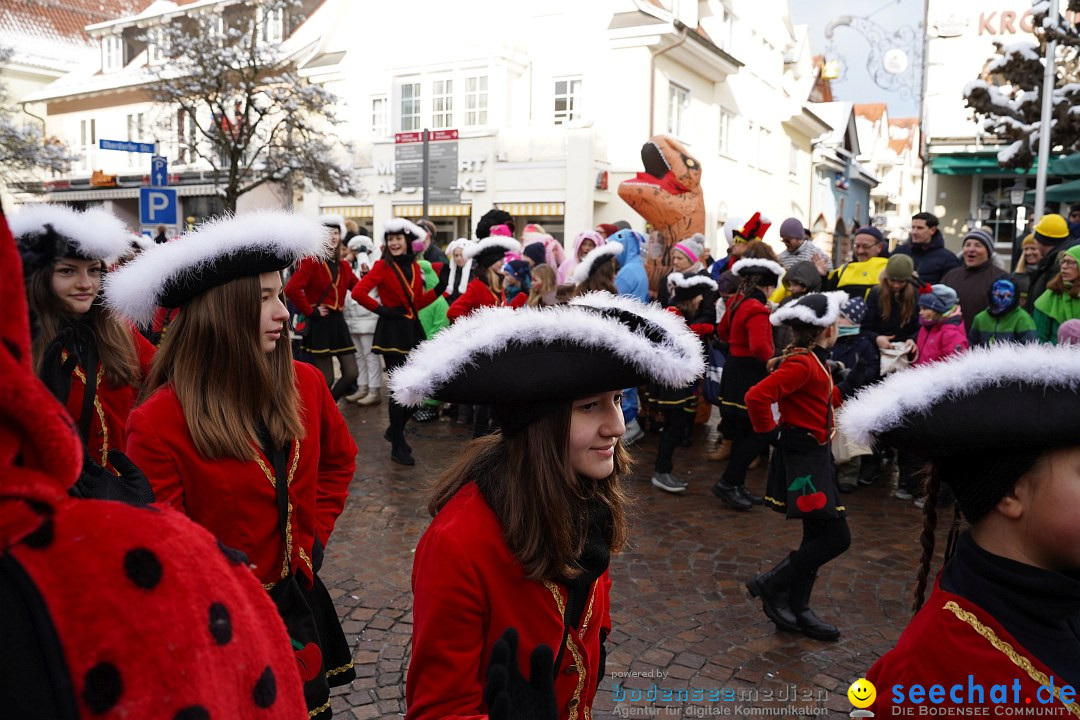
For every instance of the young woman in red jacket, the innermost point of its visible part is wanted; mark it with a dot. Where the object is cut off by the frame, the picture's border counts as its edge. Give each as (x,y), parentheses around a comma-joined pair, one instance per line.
(999,630)
(802,479)
(746,330)
(317,289)
(92,361)
(485,289)
(511,576)
(231,416)
(400,283)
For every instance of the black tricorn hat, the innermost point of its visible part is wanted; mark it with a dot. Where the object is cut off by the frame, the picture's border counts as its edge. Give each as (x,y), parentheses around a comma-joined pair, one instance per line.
(45,233)
(982,417)
(524,360)
(215,253)
(817,309)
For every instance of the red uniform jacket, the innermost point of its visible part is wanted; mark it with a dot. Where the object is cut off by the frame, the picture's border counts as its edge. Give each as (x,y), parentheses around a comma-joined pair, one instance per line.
(467,589)
(312,278)
(236,500)
(476,296)
(751,333)
(704,331)
(388,280)
(112,404)
(803,389)
(950,639)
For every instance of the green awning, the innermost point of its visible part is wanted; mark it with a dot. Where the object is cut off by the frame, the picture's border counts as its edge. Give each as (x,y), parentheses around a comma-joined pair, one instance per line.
(986,163)
(1065,192)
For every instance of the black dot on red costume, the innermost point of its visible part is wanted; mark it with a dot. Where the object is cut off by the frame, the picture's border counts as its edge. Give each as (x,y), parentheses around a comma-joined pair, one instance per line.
(193,712)
(102,687)
(265,691)
(220,624)
(142,568)
(13,349)
(236,557)
(42,537)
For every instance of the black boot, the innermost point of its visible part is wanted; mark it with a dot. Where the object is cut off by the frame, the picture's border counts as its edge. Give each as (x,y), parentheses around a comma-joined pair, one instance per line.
(731,496)
(809,624)
(772,587)
(747,495)
(400,442)
(401,455)
(869,470)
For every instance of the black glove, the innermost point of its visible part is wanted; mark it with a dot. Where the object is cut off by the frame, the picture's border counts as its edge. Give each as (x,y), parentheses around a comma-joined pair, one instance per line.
(603,655)
(390,312)
(317,555)
(508,695)
(97,483)
(444,279)
(838,371)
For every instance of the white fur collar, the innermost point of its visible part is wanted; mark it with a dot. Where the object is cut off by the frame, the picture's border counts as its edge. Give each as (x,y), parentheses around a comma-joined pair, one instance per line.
(584,268)
(135,289)
(915,391)
(95,233)
(675,362)
(797,311)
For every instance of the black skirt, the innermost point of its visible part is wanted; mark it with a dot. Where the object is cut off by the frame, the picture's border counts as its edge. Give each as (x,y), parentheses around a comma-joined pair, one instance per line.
(801,482)
(672,399)
(740,374)
(396,335)
(329,335)
(337,664)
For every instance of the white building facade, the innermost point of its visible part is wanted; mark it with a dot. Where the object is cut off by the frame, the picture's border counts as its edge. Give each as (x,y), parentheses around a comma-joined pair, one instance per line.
(550,103)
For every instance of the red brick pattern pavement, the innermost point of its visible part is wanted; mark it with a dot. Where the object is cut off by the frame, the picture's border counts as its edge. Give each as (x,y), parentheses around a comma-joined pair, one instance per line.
(679,608)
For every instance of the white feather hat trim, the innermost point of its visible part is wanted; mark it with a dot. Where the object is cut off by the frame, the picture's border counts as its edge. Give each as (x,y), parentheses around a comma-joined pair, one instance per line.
(509,245)
(914,391)
(677,279)
(799,312)
(775,268)
(94,233)
(135,290)
(584,268)
(397,225)
(676,361)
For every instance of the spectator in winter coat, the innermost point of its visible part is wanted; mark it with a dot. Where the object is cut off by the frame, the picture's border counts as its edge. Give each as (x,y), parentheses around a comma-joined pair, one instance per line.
(1052,234)
(1003,320)
(361,321)
(973,279)
(631,278)
(942,333)
(927,249)
(800,248)
(892,308)
(1027,266)
(861,275)
(686,260)
(1061,300)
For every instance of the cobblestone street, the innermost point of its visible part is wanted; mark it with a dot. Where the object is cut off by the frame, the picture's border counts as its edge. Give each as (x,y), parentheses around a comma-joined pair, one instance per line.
(680,613)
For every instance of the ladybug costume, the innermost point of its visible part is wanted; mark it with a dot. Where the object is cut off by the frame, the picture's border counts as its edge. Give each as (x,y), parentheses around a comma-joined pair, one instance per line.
(113,611)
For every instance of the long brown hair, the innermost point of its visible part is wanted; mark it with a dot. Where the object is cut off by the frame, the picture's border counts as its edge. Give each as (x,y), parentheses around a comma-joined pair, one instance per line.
(540,501)
(115,344)
(601,278)
(908,304)
(546,285)
(225,383)
(1057,285)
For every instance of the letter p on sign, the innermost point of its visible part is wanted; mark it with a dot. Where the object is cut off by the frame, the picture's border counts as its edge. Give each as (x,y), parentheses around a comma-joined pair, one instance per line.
(157,206)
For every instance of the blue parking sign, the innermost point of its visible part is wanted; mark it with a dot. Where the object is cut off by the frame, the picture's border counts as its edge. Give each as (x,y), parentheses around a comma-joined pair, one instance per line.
(157,206)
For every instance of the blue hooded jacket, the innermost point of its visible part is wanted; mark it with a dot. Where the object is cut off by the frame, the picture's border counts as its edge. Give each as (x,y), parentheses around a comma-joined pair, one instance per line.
(631,279)
(932,260)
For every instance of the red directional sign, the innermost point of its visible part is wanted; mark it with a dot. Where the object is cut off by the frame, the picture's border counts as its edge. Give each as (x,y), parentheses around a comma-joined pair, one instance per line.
(444,135)
(409,137)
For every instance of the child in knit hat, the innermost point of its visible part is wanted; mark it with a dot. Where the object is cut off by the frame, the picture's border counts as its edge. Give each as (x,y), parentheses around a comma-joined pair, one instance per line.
(942,330)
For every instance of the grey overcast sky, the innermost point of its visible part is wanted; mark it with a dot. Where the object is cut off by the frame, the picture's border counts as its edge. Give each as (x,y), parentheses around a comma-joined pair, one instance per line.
(852,46)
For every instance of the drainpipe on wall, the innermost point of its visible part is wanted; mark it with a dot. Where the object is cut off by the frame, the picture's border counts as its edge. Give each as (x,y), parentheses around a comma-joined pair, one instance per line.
(652,78)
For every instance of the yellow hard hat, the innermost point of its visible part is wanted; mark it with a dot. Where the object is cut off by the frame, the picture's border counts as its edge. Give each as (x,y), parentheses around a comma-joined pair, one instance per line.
(1051,229)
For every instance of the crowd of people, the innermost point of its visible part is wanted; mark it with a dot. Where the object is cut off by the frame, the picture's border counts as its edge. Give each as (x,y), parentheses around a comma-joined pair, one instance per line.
(205,375)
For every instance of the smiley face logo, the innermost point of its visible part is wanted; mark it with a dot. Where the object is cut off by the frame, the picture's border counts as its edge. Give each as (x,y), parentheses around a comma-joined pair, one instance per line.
(862,693)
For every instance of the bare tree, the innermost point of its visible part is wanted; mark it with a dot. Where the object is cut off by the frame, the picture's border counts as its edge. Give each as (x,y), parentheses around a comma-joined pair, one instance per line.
(248,113)
(24,147)
(1007,98)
